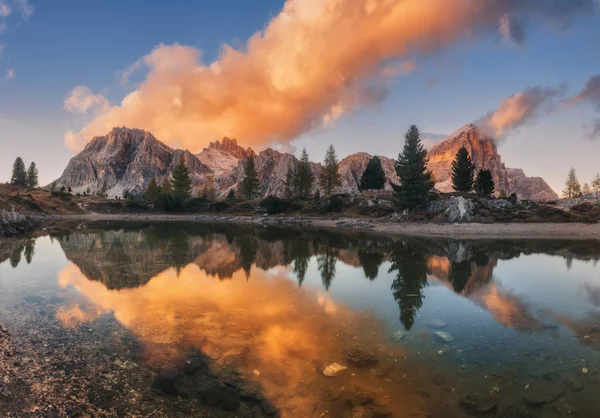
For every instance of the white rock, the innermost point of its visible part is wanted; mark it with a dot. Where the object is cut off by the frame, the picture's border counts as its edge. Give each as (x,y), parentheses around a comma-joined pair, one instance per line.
(334,370)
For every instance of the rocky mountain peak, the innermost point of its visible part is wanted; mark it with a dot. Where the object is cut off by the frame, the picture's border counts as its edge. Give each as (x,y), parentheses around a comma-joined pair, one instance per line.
(231,147)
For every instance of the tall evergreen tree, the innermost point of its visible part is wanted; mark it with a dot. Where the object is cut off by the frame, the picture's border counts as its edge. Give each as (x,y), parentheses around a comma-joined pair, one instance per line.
(166,188)
(586,189)
(572,187)
(250,184)
(596,185)
(330,176)
(373,178)
(411,168)
(32,175)
(181,183)
(152,192)
(484,185)
(463,170)
(231,194)
(289,182)
(19,175)
(304,176)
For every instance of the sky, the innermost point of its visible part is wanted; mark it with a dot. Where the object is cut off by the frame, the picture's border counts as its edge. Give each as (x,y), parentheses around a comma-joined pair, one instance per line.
(303,73)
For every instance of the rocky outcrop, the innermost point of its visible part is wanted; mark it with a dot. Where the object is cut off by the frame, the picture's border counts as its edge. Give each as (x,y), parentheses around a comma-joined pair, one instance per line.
(124,161)
(223,156)
(534,188)
(482,150)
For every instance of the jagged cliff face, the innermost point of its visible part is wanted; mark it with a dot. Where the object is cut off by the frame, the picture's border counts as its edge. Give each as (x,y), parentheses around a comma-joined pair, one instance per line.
(223,156)
(484,155)
(482,150)
(534,188)
(126,159)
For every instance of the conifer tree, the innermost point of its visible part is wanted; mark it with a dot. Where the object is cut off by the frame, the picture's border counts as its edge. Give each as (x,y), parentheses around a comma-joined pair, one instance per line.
(484,185)
(462,171)
(411,168)
(231,194)
(181,183)
(304,176)
(289,182)
(373,178)
(596,185)
(250,184)
(19,175)
(330,176)
(572,187)
(166,188)
(586,189)
(32,175)
(152,192)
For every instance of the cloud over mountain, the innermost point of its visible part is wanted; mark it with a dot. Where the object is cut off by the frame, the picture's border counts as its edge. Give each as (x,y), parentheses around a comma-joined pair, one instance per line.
(313,62)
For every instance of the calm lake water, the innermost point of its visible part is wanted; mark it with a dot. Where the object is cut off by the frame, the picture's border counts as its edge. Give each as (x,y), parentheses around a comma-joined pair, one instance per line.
(423,327)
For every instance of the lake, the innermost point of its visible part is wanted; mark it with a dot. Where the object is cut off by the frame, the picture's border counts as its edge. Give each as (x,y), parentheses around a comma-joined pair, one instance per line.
(176,319)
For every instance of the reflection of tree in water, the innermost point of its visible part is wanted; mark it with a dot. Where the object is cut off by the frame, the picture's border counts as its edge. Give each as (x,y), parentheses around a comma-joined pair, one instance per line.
(326,265)
(459,275)
(370,262)
(411,266)
(29,250)
(15,256)
(248,249)
(300,253)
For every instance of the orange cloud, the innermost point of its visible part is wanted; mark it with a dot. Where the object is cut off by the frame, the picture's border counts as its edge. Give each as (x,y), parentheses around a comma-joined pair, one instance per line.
(520,109)
(313,62)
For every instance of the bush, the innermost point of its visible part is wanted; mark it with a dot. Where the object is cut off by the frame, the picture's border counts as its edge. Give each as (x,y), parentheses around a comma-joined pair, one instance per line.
(61,194)
(219,206)
(333,204)
(274,205)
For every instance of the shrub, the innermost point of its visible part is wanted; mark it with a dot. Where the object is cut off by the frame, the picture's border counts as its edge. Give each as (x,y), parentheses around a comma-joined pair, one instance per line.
(273,205)
(219,206)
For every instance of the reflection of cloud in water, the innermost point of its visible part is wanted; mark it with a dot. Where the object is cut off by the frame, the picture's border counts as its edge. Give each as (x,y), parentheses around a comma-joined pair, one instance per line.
(267,324)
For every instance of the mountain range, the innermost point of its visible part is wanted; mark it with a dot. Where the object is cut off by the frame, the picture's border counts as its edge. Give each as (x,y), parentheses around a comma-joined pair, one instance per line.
(126,159)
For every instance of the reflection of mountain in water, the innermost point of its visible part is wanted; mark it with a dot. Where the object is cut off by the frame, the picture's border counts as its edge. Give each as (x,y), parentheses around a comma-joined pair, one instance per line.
(129,255)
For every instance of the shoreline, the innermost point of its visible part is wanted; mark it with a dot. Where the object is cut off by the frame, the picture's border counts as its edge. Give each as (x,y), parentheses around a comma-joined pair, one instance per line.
(373,225)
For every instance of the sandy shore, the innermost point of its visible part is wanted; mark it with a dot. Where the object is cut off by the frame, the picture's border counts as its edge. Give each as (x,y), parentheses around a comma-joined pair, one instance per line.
(383,226)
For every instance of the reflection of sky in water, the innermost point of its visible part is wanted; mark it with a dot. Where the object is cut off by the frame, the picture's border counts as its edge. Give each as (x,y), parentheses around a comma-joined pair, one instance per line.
(507,310)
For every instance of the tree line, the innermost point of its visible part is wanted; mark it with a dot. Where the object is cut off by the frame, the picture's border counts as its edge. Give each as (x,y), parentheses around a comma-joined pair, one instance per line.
(574,189)
(22,177)
(412,192)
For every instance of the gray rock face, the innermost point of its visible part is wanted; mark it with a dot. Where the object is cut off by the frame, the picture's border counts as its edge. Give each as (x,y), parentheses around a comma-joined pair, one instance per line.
(534,188)
(125,160)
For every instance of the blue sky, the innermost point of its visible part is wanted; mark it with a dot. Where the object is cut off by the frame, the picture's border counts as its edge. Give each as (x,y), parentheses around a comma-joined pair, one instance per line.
(65,43)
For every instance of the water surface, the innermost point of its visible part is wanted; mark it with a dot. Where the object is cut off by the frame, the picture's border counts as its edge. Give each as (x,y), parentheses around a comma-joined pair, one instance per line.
(275,307)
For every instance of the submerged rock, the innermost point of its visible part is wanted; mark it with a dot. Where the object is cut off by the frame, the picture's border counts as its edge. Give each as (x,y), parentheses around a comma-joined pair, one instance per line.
(514,412)
(574,382)
(334,370)
(443,336)
(477,403)
(361,358)
(542,395)
(398,335)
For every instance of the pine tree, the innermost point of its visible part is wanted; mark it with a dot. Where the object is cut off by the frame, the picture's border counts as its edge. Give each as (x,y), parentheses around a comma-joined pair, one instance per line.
(304,176)
(19,175)
(289,182)
(411,168)
(231,194)
(181,183)
(596,185)
(330,176)
(166,186)
(250,184)
(32,175)
(462,171)
(373,178)
(152,192)
(572,187)
(586,190)
(484,185)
